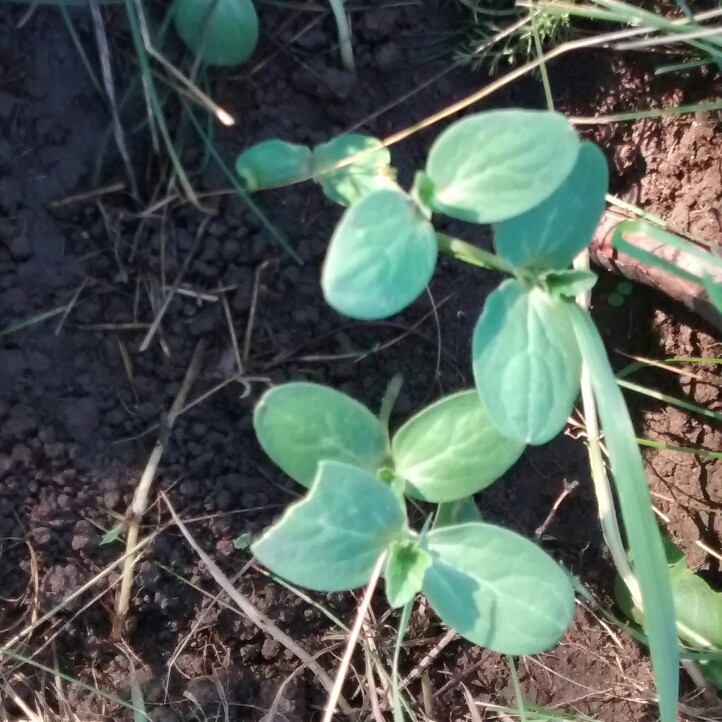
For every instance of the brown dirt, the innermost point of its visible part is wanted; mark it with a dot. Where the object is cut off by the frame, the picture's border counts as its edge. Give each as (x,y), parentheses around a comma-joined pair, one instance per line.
(70,454)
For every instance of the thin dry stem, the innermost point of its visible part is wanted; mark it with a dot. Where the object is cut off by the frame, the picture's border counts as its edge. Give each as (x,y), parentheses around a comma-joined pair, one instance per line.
(174,287)
(140,498)
(335,695)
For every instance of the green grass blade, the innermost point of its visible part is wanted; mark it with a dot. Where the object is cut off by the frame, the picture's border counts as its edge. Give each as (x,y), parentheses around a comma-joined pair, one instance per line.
(645,256)
(650,565)
(675,241)
(517,689)
(649,113)
(684,652)
(672,400)
(637,16)
(67,678)
(37,318)
(79,47)
(676,67)
(664,446)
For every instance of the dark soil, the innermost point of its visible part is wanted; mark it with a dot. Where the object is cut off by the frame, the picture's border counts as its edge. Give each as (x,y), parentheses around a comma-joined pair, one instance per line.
(79,401)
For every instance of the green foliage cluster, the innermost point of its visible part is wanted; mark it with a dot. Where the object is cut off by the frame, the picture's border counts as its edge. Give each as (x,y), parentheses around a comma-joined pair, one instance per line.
(543,190)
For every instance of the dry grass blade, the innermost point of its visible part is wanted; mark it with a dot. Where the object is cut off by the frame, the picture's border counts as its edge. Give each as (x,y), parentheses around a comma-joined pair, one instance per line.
(272,714)
(334,697)
(104,53)
(69,307)
(193,91)
(140,498)
(423,665)
(252,312)
(204,614)
(474,714)
(373,688)
(253,614)
(178,280)
(77,593)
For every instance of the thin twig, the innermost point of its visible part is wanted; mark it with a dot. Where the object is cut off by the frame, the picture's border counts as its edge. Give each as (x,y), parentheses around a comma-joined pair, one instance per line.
(140,498)
(335,695)
(171,292)
(104,53)
(446,640)
(252,312)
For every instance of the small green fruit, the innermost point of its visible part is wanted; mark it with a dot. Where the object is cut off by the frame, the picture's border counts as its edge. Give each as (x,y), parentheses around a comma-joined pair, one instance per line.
(224,32)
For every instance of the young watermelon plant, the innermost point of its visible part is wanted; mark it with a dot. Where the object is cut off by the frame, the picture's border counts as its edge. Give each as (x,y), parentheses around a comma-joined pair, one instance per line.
(529,175)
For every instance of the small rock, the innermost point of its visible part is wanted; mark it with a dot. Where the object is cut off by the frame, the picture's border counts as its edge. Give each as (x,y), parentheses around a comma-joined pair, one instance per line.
(388,56)
(84,536)
(81,418)
(340,82)
(270,649)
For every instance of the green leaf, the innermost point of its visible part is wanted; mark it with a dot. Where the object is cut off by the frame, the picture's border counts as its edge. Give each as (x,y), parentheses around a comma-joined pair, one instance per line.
(352,182)
(640,524)
(497,589)
(242,541)
(112,535)
(382,256)
(461,511)
(273,163)
(406,566)
(300,424)
(423,192)
(495,165)
(698,607)
(331,540)
(219,32)
(568,284)
(451,449)
(553,232)
(526,362)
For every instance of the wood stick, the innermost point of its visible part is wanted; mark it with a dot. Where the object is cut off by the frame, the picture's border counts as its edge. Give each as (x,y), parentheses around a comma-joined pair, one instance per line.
(686,292)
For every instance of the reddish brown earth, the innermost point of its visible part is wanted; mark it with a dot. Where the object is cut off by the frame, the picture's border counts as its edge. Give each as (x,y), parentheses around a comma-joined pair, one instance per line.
(72,418)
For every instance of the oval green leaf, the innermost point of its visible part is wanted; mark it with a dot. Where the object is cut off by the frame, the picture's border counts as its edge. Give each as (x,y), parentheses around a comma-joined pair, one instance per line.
(381,257)
(301,424)
(497,589)
(552,233)
(274,163)
(406,566)
(219,32)
(495,165)
(351,183)
(698,607)
(452,449)
(331,540)
(526,362)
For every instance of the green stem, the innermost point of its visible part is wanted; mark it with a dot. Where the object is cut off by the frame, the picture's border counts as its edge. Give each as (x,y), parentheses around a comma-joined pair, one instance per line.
(344,34)
(403,626)
(468,253)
